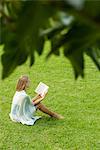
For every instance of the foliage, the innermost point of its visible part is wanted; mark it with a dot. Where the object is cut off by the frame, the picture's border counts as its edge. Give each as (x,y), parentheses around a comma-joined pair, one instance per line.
(72,25)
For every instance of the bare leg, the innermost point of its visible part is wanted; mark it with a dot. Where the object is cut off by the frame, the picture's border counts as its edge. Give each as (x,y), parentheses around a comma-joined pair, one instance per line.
(44,109)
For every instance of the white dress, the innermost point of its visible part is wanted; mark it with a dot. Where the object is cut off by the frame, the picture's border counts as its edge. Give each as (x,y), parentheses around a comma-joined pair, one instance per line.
(22,109)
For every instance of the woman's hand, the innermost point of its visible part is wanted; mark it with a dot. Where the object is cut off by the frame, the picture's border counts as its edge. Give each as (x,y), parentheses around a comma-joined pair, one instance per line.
(42,96)
(39,98)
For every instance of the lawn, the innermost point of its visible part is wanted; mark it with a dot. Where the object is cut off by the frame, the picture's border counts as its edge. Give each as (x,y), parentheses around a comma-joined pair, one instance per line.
(78,101)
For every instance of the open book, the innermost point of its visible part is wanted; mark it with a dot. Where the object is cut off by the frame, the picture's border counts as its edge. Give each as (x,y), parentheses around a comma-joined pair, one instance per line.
(41,89)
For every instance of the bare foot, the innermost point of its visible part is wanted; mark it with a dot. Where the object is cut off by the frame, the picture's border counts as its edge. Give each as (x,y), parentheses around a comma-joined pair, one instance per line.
(57,116)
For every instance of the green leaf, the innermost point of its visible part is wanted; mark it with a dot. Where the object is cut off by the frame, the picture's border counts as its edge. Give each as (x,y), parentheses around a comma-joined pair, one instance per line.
(94,53)
(77,60)
(57,43)
(92,8)
(11,59)
(32,59)
(40,45)
(51,32)
(79,36)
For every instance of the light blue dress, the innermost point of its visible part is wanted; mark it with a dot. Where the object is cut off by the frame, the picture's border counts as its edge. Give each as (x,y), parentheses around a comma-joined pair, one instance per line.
(22,109)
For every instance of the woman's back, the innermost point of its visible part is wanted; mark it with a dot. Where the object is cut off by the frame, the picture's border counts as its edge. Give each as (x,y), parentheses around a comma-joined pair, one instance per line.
(22,109)
(18,97)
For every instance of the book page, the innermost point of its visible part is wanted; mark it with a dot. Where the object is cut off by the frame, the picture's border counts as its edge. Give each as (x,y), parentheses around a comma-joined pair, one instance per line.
(41,89)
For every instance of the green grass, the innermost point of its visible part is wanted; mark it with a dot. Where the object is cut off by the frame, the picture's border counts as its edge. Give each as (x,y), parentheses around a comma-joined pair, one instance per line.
(78,101)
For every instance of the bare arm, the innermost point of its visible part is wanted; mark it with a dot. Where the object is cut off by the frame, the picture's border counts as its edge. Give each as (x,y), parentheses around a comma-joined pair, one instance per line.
(37,99)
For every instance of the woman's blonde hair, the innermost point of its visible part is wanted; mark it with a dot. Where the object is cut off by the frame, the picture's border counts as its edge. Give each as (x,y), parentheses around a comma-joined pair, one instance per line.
(22,83)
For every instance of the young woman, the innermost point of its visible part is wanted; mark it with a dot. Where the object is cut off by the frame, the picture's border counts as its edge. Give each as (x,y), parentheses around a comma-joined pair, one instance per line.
(23,108)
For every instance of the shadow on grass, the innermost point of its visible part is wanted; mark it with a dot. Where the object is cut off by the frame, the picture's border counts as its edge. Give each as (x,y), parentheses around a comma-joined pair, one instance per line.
(48,121)
(45,121)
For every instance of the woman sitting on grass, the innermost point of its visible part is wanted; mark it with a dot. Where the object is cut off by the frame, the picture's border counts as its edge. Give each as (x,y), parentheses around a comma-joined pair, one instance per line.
(23,108)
